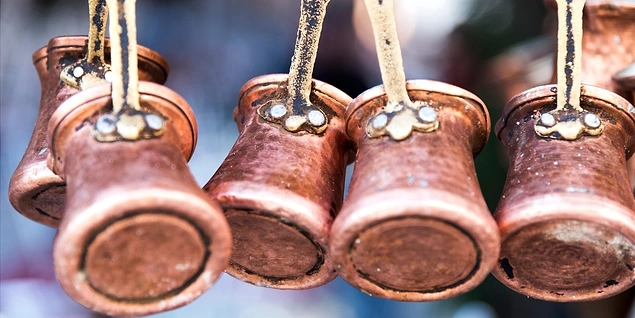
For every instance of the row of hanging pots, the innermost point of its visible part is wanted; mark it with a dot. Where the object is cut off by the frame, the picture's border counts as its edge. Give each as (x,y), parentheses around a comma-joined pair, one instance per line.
(137,235)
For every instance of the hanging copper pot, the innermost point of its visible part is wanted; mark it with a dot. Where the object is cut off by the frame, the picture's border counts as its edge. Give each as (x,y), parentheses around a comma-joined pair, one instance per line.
(280,190)
(34,190)
(566,217)
(138,235)
(415,226)
(626,78)
(607,42)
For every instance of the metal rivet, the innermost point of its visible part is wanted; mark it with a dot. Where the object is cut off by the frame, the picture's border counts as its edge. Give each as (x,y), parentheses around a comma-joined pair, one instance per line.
(277,111)
(106,124)
(592,120)
(108,76)
(316,118)
(427,114)
(78,72)
(380,121)
(154,121)
(548,119)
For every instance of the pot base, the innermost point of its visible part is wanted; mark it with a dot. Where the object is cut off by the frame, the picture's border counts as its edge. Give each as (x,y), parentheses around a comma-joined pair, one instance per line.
(144,257)
(567,260)
(266,246)
(414,255)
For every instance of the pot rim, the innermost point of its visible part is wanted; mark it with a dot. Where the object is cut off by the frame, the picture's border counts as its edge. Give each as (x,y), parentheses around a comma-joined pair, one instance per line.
(79,42)
(606,8)
(280,79)
(420,85)
(542,92)
(80,100)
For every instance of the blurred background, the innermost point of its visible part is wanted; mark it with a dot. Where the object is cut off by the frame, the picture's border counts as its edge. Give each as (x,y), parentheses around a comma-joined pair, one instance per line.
(494,48)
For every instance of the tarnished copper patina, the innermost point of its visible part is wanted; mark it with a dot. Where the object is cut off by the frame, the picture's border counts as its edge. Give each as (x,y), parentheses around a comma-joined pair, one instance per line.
(34,190)
(280,190)
(415,226)
(138,235)
(566,217)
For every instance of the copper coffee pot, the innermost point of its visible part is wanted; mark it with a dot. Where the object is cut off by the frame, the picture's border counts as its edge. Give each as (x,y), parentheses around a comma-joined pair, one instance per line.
(608,43)
(414,226)
(283,180)
(138,236)
(567,217)
(626,78)
(34,190)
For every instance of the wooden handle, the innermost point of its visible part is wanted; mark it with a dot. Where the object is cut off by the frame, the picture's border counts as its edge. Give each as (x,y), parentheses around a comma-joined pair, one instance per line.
(301,72)
(98,14)
(123,46)
(382,15)
(569,57)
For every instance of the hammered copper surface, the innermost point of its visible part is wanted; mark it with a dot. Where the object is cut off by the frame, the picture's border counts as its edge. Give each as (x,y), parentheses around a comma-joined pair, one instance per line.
(414,226)
(138,235)
(34,190)
(281,190)
(566,216)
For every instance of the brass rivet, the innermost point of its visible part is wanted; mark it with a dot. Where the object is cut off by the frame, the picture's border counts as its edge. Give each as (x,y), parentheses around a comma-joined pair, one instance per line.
(548,120)
(106,124)
(277,111)
(427,114)
(154,122)
(78,72)
(380,121)
(592,120)
(316,118)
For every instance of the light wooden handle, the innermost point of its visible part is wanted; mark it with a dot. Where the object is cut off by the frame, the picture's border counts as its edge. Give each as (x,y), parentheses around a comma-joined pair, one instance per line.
(301,72)
(98,15)
(123,47)
(382,15)
(569,62)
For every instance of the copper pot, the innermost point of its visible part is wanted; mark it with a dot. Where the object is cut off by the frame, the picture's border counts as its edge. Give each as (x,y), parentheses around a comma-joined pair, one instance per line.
(281,190)
(566,216)
(415,226)
(138,235)
(607,42)
(626,78)
(34,190)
